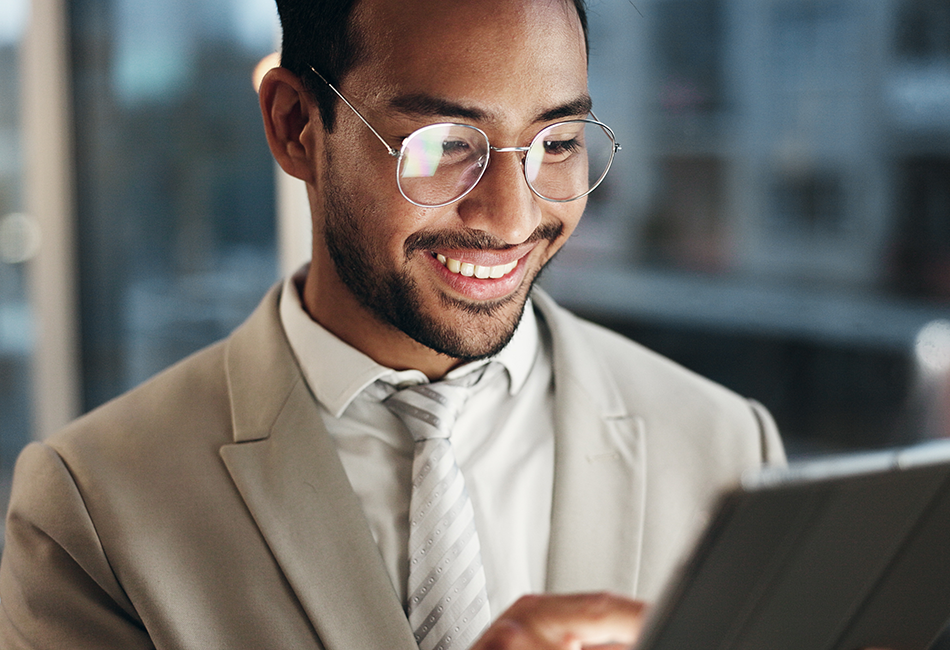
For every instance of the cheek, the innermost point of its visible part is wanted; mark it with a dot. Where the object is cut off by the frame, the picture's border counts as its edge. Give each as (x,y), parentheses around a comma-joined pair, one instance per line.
(367,180)
(573,213)
(377,171)
(359,163)
(568,214)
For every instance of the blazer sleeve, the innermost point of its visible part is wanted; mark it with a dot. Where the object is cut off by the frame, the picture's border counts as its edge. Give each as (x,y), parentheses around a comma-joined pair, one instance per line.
(57,589)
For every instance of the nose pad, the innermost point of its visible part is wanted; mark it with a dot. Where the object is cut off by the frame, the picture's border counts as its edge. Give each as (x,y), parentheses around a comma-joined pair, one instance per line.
(502,204)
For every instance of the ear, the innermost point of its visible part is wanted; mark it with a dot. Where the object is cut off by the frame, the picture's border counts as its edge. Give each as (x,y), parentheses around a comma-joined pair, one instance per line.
(291,123)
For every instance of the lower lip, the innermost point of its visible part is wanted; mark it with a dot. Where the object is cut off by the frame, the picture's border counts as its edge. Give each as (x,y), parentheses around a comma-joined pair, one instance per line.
(474,288)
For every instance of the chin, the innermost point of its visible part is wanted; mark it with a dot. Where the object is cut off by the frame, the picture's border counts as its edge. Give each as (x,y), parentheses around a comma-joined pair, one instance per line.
(470,330)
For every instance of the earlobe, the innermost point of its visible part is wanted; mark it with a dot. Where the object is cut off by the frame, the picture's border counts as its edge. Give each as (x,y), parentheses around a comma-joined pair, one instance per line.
(289,123)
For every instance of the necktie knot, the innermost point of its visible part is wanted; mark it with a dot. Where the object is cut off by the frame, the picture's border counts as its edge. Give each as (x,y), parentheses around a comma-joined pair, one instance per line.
(430,410)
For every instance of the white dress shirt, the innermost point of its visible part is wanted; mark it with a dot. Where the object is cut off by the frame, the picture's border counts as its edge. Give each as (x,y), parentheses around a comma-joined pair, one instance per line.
(503,443)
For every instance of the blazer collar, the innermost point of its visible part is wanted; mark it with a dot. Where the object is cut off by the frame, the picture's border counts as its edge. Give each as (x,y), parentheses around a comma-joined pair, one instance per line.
(286,467)
(600,467)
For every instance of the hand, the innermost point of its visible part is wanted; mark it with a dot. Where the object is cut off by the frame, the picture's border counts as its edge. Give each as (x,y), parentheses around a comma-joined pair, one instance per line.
(566,622)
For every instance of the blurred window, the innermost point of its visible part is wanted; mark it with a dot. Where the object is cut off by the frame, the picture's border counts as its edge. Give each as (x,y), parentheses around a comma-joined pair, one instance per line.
(922,236)
(779,216)
(175,184)
(18,242)
(689,54)
(923,29)
(811,203)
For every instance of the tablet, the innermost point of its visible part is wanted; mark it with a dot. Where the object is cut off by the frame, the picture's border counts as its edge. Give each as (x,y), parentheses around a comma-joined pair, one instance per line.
(833,554)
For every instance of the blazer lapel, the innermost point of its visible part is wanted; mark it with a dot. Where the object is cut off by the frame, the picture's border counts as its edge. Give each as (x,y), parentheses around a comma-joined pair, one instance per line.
(286,467)
(599,473)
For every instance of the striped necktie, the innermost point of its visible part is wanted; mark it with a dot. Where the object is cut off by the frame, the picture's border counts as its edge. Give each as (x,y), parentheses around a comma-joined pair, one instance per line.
(447,601)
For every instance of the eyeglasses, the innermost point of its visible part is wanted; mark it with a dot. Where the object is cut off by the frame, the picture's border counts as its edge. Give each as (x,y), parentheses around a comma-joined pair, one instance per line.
(440,163)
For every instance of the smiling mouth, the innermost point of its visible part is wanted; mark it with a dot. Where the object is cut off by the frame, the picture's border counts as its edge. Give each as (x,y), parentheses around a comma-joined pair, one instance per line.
(470,270)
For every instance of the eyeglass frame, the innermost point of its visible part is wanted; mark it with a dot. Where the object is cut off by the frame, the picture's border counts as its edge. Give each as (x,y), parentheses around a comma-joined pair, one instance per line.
(398,153)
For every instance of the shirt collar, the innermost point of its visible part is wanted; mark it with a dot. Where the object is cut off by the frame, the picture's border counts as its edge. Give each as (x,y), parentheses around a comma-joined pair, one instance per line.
(337,372)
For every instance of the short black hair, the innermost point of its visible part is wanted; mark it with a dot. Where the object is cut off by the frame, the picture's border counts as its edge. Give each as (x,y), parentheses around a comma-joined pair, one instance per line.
(322,34)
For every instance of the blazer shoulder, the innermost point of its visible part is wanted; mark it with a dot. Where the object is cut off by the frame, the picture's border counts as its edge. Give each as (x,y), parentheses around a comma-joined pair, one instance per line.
(627,359)
(192,401)
(187,395)
(684,405)
(620,358)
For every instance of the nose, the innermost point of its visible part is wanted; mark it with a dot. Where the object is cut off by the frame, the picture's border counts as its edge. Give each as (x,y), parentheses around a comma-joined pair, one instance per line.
(502,204)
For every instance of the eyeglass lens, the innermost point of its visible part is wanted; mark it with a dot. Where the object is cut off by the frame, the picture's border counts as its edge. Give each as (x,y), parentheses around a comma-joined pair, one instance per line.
(440,163)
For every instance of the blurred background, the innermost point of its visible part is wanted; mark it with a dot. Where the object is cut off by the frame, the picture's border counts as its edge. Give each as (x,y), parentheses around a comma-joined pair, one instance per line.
(778,218)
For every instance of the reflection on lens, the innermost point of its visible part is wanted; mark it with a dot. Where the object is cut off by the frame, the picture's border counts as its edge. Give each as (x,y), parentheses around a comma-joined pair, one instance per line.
(533,160)
(422,152)
(440,163)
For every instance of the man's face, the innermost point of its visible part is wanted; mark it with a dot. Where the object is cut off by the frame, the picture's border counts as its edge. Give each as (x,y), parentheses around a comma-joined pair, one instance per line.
(511,68)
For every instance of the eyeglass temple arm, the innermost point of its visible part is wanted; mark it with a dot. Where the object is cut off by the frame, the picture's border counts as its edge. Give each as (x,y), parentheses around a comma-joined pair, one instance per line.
(392,152)
(617,146)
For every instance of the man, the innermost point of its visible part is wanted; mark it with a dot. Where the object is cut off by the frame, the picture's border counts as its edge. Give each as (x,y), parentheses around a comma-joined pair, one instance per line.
(259,494)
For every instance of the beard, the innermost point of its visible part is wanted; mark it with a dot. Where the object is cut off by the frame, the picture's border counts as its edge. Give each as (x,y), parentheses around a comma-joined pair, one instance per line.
(394,297)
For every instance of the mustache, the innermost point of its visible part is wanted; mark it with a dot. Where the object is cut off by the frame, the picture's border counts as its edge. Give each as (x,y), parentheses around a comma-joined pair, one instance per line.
(475,239)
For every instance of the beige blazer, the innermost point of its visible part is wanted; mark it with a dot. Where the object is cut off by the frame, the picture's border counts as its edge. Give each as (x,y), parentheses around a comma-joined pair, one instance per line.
(208,508)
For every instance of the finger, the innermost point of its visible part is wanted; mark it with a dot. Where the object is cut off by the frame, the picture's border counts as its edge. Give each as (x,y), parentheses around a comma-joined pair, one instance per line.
(506,634)
(509,635)
(578,620)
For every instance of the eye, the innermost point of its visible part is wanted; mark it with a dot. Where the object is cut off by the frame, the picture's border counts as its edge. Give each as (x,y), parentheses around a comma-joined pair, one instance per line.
(458,151)
(562,148)
(455,147)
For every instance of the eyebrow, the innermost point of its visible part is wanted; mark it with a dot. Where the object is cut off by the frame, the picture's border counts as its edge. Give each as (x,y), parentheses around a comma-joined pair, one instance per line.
(580,106)
(422,105)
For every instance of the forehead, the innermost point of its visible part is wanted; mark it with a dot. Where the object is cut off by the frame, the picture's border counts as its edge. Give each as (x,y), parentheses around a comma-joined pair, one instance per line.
(502,56)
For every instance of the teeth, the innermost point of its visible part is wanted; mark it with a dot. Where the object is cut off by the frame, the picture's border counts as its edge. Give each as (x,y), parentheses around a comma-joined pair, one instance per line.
(470,270)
